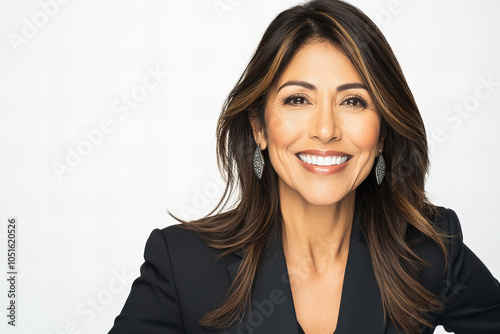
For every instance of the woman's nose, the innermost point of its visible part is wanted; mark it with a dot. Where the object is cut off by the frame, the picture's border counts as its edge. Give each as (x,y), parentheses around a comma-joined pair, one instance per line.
(324,123)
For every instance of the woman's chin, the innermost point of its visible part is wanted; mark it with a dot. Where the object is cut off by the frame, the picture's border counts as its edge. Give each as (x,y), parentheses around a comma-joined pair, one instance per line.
(324,199)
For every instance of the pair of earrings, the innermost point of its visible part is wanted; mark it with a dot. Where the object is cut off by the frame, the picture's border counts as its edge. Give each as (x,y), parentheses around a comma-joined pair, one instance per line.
(258,165)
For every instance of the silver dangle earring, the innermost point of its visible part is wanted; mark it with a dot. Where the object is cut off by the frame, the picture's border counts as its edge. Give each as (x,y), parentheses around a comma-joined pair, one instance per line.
(258,162)
(380,168)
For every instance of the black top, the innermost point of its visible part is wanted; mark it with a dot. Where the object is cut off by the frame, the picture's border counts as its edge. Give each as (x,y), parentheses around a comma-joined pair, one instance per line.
(301,331)
(180,282)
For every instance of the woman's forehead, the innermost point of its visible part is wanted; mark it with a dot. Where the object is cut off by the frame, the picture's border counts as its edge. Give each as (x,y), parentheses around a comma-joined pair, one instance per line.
(318,63)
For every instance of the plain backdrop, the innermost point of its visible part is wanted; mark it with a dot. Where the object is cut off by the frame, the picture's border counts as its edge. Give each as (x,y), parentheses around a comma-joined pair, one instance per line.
(107,119)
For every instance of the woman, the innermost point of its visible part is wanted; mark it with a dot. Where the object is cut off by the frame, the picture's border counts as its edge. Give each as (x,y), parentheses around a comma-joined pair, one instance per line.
(332,232)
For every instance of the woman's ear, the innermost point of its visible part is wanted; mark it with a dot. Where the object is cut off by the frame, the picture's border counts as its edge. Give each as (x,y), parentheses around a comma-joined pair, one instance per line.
(258,130)
(383,133)
(380,144)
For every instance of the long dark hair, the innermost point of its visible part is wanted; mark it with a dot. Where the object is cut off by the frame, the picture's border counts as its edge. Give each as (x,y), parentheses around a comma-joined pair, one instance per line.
(394,211)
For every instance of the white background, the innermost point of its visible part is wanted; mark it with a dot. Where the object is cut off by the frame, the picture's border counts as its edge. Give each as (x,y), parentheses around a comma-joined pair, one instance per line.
(65,73)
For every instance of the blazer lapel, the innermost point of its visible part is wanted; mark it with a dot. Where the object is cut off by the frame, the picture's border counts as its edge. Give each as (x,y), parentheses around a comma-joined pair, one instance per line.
(361,309)
(272,309)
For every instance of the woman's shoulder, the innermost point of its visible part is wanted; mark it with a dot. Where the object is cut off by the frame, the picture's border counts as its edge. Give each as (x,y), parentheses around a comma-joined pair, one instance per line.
(183,242)
(446,222)
(179,232)
(465,287)
(444,271)
(186,250)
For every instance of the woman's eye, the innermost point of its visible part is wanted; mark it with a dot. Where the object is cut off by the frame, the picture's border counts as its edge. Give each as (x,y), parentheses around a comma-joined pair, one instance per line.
(296,100)
(355,102)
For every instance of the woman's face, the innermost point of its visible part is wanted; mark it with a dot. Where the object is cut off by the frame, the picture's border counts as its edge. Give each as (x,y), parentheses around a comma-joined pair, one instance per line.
(320,112)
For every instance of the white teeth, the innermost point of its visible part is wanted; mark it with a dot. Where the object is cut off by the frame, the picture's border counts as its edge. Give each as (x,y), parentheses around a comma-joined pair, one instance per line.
(322,161)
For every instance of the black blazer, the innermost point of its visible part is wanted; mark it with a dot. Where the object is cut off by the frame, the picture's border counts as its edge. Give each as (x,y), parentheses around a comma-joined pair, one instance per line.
(180,282)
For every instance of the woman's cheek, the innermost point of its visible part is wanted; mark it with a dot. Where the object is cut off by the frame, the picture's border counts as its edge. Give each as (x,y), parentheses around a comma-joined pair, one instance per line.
(284,129)
(365,132)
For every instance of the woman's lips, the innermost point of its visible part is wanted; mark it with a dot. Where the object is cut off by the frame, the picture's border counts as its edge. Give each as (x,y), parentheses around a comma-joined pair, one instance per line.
(323,162)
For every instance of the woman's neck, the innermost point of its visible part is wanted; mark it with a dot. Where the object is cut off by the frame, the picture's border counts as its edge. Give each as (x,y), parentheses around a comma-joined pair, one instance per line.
(316,236)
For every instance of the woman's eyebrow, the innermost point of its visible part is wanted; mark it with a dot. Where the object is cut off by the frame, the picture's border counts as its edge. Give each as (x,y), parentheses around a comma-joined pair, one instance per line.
(304,84)
(351,86)
(310,86)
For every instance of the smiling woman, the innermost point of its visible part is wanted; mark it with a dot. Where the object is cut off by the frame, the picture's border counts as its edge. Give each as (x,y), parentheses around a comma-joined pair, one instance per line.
(321,104)
(332,232)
